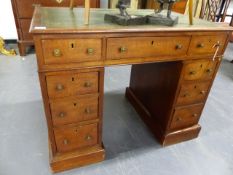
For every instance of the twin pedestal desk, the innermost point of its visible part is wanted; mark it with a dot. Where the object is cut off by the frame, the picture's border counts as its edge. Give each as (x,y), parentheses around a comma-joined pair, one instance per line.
(173,69)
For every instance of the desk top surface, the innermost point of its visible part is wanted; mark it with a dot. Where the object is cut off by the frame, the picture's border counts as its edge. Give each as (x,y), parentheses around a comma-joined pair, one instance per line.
(63,20)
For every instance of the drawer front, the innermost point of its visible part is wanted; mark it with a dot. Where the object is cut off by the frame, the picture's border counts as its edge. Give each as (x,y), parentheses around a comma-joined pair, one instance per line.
(193,93)
(68,139)
(199,70)
(71,50)
(64,85)
(186,116)
(138,47)
(206,45)
(25,25)
(71,110)
(25,8)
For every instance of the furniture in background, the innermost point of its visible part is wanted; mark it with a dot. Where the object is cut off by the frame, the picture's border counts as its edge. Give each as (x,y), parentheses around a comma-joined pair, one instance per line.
(23,10)
(169,94)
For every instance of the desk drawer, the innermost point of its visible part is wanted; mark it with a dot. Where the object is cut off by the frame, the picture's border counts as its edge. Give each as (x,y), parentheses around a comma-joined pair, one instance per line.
(186,116)
(139,47)
(71,50)
(193,93)
(206,45)
(64,85)
(75,109)
(199,70)
(70,138)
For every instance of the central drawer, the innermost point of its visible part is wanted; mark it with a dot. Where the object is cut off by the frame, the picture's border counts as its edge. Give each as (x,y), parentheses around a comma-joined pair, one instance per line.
(75,137)
(57,51)
(75,109)
(139,47)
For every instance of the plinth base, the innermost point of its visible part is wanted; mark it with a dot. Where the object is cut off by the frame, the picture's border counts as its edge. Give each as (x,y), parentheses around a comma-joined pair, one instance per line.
(65,161)
(121,20)
(159,19)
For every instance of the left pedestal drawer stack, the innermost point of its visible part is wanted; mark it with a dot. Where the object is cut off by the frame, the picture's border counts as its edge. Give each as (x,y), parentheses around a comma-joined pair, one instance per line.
(73,104)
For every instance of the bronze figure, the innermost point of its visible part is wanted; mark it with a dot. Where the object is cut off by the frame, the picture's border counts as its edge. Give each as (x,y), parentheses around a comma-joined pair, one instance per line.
(162,2)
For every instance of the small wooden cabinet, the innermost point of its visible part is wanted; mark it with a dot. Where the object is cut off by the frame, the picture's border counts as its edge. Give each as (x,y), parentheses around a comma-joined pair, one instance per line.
(23,11)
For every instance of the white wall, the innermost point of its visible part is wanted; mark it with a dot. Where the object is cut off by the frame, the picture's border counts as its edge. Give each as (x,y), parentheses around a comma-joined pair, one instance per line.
(7,23)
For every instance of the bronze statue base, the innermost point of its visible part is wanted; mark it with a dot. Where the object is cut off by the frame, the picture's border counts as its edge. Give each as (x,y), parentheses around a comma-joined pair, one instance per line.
(159,19)
(125,21)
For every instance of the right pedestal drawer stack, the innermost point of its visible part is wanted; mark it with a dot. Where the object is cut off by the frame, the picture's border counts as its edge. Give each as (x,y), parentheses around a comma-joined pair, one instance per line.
(194,88)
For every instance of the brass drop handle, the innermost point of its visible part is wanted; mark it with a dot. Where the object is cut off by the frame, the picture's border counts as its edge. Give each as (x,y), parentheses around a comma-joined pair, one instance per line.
(65,142)
(87,84)
(192,72)
(209,70)
(88,138)
(57,52)
(59,87)
(178,46)
(90,51)
(186,94)
(200,45)
(195,115)
(62,114)
(217,44)
(88,110)
(123,49)
(202,92)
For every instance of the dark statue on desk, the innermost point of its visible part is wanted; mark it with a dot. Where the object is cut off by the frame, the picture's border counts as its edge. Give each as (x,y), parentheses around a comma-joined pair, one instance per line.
(160,19)
(157,18)
(122,5)
(124,18)
(161,4)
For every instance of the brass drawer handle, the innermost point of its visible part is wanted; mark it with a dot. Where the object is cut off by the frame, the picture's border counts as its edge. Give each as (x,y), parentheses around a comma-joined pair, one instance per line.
(87,84)
(178,119)
(203,92)
(192,72)
(57,52)
(90,51)
(88,110)
(122,49)
(59,87)
(217,44)
(65,142)
(88,138)
(179,46)
(61,115)
(194,115)
(186,94)
(209,70)
(200,45)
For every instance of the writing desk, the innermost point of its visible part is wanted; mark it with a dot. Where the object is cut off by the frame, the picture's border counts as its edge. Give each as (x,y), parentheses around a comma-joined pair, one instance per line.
(172,73)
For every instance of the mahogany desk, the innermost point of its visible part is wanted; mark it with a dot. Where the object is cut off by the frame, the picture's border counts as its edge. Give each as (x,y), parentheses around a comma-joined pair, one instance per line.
(172,73)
